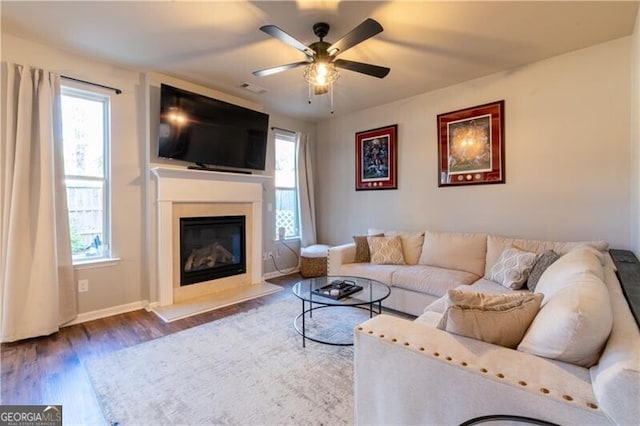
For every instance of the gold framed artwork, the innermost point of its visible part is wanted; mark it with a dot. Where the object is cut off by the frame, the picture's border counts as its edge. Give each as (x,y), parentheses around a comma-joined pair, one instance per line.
(471,145)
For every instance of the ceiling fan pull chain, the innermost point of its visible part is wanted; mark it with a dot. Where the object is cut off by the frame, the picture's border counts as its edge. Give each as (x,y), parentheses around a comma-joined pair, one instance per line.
(331,94)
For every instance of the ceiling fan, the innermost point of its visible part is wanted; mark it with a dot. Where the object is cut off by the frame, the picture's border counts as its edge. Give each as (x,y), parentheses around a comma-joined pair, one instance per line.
(321,62)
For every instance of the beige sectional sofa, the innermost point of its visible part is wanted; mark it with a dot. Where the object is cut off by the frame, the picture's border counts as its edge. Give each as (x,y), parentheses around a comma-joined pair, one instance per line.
(578,362)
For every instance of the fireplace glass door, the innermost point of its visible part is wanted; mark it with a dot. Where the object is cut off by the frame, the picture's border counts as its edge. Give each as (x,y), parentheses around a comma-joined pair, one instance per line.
(211,248)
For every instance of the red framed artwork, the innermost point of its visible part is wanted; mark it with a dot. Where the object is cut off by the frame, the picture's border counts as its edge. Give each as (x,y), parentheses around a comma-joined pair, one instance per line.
(377,158)
(471,146)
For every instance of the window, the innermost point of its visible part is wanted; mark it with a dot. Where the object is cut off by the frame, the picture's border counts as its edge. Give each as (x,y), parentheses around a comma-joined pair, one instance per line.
(286,185)
(85,133)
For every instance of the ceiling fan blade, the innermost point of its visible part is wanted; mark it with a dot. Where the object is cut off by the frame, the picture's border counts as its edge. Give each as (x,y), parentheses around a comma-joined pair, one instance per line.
(274,70)
(372,70)
(365,30)
(279,34)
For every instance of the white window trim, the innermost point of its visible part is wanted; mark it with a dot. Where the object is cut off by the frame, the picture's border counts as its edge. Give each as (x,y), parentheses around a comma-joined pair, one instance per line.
(293,138)
(71,89)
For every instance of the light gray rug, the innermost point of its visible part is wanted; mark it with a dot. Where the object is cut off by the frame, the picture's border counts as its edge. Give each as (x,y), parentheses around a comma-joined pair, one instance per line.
(247,369)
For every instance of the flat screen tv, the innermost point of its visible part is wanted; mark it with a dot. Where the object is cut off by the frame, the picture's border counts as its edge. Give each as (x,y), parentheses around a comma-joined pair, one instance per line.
(213,134)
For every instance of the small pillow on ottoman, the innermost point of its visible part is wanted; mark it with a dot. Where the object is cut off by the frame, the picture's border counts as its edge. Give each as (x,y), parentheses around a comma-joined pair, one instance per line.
(501,319)
(386,250)
(513,267)
(363,255)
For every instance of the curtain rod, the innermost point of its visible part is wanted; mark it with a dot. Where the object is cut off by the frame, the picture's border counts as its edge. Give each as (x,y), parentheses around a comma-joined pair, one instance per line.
(118,91)
(284,130)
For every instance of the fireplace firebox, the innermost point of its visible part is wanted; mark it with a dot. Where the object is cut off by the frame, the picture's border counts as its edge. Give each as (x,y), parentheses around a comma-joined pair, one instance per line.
(211,248)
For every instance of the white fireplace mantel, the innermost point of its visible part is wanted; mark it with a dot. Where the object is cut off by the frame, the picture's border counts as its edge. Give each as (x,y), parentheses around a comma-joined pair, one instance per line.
(195,186)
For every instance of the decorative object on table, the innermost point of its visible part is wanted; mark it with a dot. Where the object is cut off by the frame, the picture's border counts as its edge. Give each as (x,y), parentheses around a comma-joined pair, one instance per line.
(377,158)
(471,145)
(338,289)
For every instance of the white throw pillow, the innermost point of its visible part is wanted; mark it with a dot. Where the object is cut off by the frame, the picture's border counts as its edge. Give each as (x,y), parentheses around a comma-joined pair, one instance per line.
(386,250)
(581,260)
(513,267)
(501,319)
(575,319)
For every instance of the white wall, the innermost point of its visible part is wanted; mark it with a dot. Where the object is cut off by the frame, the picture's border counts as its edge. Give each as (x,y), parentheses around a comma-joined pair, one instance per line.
(635,138)
(567,143)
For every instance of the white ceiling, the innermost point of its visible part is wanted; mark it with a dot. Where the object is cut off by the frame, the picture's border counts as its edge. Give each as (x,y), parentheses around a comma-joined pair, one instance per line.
(427,45)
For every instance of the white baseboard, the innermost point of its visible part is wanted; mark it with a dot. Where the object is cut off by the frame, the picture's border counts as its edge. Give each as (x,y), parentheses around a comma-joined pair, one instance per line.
(276,274)
(144,304)
(107,312)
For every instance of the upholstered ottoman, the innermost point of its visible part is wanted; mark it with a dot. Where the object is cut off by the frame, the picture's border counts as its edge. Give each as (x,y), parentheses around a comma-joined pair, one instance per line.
(313,260)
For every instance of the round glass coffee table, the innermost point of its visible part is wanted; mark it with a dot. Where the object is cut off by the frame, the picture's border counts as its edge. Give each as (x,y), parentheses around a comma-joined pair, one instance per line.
(337,291)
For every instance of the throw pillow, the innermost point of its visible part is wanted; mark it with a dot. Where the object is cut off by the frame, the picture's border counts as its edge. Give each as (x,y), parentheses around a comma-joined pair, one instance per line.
(386,250)
(513,267)
(544,261)
(363,255)
(576,317)
(501,319)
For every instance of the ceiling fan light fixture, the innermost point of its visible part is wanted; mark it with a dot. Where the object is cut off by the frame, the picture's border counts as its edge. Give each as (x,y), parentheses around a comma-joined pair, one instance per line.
(321,73)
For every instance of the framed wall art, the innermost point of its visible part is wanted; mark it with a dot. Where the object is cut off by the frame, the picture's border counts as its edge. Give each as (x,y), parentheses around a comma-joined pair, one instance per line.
(471,145)
(377,158)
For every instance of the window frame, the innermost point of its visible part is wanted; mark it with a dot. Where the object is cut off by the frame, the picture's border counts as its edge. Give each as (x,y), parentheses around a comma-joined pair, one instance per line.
(72,90)
(289,137)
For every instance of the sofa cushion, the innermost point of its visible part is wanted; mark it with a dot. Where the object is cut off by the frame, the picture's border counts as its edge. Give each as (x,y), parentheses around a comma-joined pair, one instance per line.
(412,246)
(500,319)
(386,250)
(513,267)
(430,279)
(380,273)
(460,251)
(496,245)
(545,260)
(363,255)
(575,319)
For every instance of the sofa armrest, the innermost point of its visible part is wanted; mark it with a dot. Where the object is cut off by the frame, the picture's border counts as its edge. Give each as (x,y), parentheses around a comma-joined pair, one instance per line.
(407,372)
(339,255)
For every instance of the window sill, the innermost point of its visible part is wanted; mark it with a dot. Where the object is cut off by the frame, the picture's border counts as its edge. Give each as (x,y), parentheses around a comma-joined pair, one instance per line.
(96,263)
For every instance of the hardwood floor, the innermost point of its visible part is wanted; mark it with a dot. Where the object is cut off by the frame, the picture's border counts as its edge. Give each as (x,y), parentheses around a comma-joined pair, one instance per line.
(50,370)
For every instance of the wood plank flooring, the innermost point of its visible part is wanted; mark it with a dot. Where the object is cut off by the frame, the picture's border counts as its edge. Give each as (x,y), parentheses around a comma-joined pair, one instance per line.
(50,370)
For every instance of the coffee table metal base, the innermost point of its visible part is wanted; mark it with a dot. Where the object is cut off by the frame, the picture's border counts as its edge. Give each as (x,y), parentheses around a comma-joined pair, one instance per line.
(302,330)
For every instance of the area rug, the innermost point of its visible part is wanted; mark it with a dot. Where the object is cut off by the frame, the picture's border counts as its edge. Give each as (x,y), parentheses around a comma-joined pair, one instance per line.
(246,369)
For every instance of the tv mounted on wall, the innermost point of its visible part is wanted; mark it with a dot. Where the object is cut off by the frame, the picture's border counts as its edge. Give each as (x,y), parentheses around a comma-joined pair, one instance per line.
(213,134)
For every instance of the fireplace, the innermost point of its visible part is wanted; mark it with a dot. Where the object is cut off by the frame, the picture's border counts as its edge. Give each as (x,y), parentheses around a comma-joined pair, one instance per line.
(182,193)
(211,248)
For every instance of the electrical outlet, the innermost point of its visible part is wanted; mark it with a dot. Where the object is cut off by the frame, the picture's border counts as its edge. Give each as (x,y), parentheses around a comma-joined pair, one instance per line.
(264,256)
(270,254)
(83,286)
